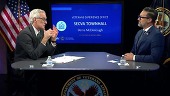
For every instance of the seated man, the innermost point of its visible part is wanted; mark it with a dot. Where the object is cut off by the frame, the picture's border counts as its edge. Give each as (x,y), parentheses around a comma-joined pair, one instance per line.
(149,41)
(34,41)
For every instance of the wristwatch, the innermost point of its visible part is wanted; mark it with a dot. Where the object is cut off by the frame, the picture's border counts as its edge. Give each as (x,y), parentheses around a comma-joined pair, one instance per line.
(53,41)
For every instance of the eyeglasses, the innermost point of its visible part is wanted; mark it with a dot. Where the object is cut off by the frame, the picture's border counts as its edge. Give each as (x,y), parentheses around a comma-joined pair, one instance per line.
(45,20)
(142,17)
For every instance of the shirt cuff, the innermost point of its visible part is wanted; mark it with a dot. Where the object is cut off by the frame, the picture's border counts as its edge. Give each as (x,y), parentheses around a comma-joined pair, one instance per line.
(134,57)
(53,44)
(43,44)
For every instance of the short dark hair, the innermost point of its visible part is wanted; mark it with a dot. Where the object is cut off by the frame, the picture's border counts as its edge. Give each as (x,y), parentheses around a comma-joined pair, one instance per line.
(152,13)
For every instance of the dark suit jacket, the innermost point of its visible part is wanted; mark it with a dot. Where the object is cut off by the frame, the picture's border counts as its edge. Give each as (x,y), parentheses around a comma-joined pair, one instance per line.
(151,46)
(29,47)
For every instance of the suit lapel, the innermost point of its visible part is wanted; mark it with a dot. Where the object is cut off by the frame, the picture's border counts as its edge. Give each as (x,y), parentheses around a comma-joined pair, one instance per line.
(33,35)
(141,40)
(138,41)
(141,43)
(145,36)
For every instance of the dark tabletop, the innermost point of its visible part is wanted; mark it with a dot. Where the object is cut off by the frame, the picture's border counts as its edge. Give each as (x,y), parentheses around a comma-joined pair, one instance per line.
(92,61)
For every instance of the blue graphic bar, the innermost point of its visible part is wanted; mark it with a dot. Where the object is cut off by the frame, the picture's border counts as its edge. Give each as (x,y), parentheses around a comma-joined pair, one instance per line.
(61,8)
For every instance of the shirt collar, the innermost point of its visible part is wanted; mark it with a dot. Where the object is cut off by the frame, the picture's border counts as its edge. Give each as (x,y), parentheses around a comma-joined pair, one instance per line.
(147,28)
(36,31)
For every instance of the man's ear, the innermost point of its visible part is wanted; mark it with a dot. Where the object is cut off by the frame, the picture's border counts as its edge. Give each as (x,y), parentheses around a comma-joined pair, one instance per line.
(149,19)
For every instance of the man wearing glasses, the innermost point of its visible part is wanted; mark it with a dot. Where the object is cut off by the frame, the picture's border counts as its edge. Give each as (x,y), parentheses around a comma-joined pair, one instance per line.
(149,41)
(34,41)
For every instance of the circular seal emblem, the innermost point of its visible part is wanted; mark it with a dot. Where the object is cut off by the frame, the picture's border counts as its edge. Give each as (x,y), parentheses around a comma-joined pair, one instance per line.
(61,25)
(84,85)
(163,20)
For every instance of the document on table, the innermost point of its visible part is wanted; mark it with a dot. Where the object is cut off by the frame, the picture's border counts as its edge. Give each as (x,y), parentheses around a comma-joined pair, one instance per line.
(66,59)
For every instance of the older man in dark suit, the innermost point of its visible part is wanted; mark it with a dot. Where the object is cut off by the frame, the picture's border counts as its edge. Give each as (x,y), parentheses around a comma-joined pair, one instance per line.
(34,41)
(149,41)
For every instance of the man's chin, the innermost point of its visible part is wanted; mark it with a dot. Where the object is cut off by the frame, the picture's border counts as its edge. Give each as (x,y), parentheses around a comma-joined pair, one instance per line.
(43,28)
(139,25)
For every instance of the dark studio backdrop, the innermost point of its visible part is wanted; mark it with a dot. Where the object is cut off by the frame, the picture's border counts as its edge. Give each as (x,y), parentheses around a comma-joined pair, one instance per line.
(131,10)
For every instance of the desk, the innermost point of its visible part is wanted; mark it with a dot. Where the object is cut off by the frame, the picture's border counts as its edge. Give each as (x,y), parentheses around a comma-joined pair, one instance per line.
(92,61)
(95,63)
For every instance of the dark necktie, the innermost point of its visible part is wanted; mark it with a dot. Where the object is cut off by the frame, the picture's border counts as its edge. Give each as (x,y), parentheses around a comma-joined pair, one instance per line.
(140,38)
(39,37)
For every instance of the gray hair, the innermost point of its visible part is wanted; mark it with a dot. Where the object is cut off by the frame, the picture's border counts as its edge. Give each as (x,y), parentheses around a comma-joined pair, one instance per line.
(35,13)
